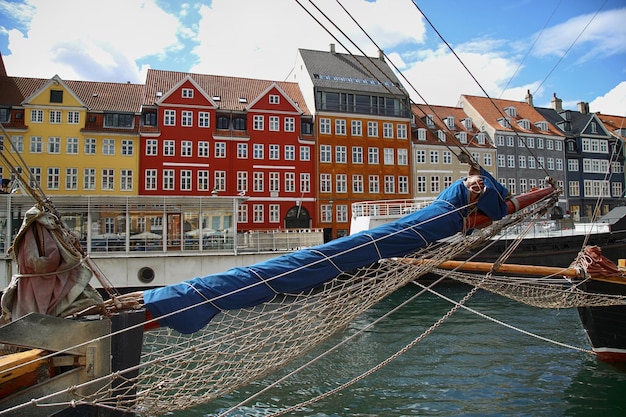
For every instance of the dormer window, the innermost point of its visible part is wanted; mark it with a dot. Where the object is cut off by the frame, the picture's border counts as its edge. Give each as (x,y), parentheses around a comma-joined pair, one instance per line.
(430,120)
(542,125)
(421,134)
(467,123)
(441,135)
(510,111)
(504,122)
(187,93)
(480,138)
(462,137)
(449,122)
(524,124)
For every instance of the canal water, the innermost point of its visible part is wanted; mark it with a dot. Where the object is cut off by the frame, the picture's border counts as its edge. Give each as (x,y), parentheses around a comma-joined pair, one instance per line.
(468,366)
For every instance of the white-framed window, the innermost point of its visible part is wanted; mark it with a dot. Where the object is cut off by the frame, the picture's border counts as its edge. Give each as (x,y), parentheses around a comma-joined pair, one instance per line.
(274,152)
(574,188)
(242,181)
(71,178)
(372,155)
(305,153)
(341,153)
(403,184)
(36,144)
(510,161)
(340,127)
(203,149)
(326,185)
(388,130)
(435,184)
(274,182)
(324,126)
(150,181)
(186,148)
(305,182)
(242,213)
(219,180)
(108,179)
(389,157)
(373,182)
(357,183)
(274,99)
(403,156)
(434,157)
(152,147)
(108,146)
(357,154)
(204,119)
(73,117)
(258,213)
(71,147)
(357,128)
(341,183)
(169,117)
(187,92)
(54,145)
(389,184)
(89,179)
(420,156)
(54,178)
(401,131)
(55,117)
(36,116)
(186,118)
(421,184)
(290,182)
(421,134)
(126,180)
(274,213)
(219,150)
(326,215)
(290,124)
(128,147)
(203,180)
(274,123)
(521,161)
(242,151)
(258,181)
(290,153)
(342,213)
(258,151)
(501,161)
(168,148)
(258,122)
(325,153)
(372,129)
(168,179)
(185,180)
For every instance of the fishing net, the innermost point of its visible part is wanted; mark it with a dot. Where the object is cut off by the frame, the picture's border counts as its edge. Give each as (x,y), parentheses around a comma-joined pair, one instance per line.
(179,371)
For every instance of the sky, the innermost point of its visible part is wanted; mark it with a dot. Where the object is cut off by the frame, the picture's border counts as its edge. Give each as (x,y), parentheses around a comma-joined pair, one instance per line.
(575,49)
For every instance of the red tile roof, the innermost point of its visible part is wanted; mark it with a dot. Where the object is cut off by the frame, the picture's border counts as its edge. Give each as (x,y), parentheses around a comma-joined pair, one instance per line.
(613,123)
(485,107)
(229,89)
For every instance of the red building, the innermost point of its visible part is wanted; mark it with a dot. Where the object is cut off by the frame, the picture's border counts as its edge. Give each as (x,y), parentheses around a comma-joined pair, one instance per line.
(226,136)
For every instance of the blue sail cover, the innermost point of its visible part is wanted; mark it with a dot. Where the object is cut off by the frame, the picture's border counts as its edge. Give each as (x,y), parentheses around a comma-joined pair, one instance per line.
(190,305)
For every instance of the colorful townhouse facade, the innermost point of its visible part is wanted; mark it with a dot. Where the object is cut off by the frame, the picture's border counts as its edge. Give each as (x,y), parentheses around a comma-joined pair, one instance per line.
(528,147)
(212,136)
(438,135)
(594,160)
(76,137)
(362,129)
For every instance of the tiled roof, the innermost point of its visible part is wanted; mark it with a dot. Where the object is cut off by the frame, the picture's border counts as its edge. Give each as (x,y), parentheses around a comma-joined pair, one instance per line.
(336,71)
(98,96)
(13,90)
(101,96)
(613,123)
(229,89)
(485,107)
(441,112)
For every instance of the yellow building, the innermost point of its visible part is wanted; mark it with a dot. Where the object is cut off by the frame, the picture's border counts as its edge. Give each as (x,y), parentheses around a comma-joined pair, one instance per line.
(74,137)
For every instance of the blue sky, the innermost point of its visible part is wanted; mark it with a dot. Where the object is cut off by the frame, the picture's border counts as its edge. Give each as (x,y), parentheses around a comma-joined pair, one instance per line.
(575,49)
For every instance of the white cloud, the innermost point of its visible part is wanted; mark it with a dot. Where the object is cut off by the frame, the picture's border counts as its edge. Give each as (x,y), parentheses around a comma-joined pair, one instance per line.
(602,36)
(103,44)
(234,41)
(612,103)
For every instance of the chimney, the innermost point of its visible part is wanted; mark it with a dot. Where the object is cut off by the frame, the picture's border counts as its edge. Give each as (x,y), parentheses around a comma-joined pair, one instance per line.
(529,98)
(557,103)
(332,48)
(583,107)
(381,55)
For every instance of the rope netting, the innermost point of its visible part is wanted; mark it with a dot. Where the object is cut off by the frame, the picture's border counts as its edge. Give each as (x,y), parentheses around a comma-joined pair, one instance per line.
(179,371)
